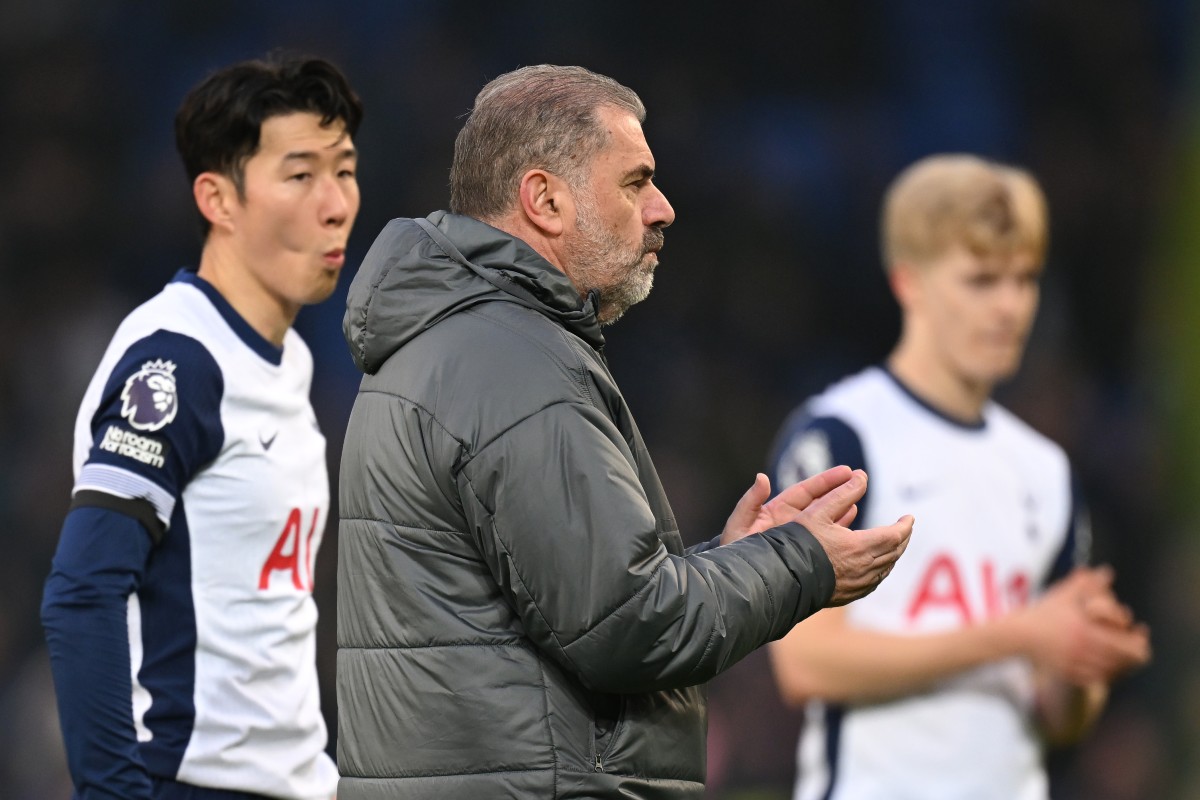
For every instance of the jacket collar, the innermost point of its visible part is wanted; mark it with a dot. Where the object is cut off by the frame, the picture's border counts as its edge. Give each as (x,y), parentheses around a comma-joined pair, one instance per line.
(418,272)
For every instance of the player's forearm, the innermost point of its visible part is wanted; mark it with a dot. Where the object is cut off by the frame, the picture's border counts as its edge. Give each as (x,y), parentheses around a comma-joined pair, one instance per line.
(84,613)
(855,665)
(90,662)
(1066,712)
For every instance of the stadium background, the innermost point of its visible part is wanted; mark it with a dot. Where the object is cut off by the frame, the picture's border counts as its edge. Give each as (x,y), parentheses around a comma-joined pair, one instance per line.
(775,131)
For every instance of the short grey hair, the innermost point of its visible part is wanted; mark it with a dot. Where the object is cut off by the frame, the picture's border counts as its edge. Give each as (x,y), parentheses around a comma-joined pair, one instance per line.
(539,117)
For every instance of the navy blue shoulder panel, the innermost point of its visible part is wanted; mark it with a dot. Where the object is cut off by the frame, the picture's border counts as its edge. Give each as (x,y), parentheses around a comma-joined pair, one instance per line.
(251,338)
(160,414)
(1076,549)
(807,445)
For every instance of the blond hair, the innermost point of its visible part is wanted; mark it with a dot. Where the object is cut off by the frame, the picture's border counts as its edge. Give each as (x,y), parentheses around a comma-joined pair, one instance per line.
(944,201)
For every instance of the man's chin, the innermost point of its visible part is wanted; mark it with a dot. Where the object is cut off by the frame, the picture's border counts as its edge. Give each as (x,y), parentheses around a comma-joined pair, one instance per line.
(616,302)
(322,290)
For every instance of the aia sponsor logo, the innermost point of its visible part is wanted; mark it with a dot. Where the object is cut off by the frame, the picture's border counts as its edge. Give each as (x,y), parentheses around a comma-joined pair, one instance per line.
(292,554)
(943,588)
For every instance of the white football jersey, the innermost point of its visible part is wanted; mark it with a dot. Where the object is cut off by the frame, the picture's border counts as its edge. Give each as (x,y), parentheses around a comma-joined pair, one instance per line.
(193,411)
(995,523)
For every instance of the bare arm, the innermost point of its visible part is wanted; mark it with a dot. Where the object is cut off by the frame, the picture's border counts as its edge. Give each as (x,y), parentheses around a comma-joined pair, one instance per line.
(1066,712)
(824,657)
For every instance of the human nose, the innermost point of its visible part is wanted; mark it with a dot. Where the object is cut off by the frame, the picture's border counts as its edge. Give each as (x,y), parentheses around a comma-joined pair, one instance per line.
(1017,297)
(657,213)
(339,202)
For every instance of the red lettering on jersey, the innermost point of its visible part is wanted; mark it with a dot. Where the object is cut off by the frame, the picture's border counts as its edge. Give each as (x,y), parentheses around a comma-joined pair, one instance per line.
(1018,590)
(991,592)
(285,556)
(940,586)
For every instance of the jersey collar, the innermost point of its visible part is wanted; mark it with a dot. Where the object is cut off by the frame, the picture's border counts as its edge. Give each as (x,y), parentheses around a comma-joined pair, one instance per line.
(978,425)
(252,338)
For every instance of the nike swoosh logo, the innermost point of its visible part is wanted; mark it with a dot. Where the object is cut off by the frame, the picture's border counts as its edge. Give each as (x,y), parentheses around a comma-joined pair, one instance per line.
(920,491)
(266,443)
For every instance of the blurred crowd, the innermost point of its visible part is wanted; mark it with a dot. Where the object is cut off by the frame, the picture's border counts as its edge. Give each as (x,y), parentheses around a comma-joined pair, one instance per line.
(775,132)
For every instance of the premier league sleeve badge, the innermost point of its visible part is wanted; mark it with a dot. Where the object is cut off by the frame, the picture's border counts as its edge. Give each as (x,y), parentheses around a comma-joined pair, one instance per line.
(149,400)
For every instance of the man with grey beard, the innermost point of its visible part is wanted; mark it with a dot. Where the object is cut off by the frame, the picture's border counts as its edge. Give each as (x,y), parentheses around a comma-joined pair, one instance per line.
(517,615)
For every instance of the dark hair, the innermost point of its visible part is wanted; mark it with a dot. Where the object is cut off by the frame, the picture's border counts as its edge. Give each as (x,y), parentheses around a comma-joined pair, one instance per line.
(218,125)
(542,116)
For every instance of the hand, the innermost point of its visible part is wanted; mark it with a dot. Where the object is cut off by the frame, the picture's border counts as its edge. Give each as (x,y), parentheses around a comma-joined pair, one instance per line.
(1081,632)
(754,514)
(860,559)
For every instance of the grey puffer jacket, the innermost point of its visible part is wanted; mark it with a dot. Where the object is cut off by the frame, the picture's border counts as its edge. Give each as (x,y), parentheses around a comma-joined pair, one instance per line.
(517,616)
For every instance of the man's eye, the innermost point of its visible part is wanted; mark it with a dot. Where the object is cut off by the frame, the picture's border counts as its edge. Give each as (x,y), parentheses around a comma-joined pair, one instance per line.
(301,177)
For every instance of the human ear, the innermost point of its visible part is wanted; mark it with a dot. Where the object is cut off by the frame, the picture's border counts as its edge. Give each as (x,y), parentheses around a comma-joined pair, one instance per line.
(902,277)
(215,196)
(545,198)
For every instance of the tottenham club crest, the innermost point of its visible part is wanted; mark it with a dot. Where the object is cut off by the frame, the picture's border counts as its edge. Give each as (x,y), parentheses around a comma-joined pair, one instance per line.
(149,400)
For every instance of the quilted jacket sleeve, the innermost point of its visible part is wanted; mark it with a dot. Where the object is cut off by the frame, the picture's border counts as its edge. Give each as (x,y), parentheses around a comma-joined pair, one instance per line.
(559,515)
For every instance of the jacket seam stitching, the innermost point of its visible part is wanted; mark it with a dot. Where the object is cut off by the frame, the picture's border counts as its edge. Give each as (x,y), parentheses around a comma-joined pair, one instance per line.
(521,578)
(519,642)
(398,524)
(558,642)
(361,340)
(411,775)
(708,646)
(455,774)
(477,311)
(483,445)
(419,407)
(549,727)
(580,369)
(636,593)
(501,433)
(761,577)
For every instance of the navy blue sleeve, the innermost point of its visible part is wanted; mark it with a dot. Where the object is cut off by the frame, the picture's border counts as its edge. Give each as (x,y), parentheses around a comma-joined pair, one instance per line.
(100,561)
(807,445)
(157,424)
(1076,549)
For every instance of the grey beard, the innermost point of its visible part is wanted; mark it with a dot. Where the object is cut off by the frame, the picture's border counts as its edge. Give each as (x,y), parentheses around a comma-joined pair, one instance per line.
(616,300)
(602,262)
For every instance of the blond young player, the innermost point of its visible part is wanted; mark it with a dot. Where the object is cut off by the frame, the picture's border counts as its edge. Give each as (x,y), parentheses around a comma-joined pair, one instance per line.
(990,635)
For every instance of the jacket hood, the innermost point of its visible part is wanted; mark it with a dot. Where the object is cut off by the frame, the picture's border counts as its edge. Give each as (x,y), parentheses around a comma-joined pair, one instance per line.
(420,271)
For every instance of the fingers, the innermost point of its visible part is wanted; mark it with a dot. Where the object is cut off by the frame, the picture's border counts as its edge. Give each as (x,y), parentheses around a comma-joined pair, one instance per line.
(750,502)
(823,482)
(890,541)
(1119,652)
(849,517)
(835,503)
(1097,650)
(800,495)
(1106,610)
(757,494)
(741,520)
(1090,579)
